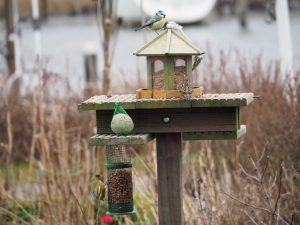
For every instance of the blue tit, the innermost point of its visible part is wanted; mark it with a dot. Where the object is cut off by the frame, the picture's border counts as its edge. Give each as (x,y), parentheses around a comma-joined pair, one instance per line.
(98,187)
(156,22)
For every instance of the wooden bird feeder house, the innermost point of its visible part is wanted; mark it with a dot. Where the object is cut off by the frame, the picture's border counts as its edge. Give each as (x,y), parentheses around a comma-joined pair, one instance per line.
(162,114)
(169,66)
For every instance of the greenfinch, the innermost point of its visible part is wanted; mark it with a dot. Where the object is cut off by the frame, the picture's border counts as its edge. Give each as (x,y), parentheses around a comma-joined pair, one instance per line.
(98,189)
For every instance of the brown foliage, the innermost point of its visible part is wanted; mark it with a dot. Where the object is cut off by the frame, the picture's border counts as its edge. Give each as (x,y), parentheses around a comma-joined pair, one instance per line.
(251,181)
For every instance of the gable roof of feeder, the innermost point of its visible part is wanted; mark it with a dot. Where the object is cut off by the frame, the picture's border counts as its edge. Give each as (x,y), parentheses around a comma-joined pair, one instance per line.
(169,42)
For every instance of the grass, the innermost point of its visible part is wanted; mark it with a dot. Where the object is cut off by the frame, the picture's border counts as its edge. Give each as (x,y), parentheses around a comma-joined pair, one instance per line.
(46,164)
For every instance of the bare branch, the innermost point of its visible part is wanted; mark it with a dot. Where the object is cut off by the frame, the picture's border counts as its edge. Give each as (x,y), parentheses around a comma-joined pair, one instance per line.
(247,174)
(255,207)
(263,153)
(292,220)
(99,19)
(250,217)
(247,204)
(274,182)
(255,167)
(80,207)
(279,192)
(264,170)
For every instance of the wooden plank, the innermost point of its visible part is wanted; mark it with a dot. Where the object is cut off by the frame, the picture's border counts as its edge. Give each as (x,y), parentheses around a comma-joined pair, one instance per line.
(169,178)
(105,102)
(162,103)
(180,120)
(129,101)
(215,135)
(109,139)
(217,102)
(249,97)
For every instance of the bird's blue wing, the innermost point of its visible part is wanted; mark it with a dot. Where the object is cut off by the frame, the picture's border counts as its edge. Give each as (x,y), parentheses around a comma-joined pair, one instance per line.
(152,20)
(149,22)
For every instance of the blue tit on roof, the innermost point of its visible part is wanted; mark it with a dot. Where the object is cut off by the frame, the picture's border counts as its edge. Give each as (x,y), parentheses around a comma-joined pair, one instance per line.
(155,23)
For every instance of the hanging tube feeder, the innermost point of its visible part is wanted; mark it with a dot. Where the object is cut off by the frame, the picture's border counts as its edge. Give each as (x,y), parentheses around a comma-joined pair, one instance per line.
(119,169)
(119,180)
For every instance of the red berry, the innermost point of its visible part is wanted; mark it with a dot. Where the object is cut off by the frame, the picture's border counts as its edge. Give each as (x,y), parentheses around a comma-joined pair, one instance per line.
(106,219)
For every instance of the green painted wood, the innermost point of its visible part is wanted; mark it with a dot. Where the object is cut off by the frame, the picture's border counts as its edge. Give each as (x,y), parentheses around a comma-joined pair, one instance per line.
(214,135)
(149,74)
(129,101)
(110,139)
(169,73)
(181,120)
(122,214)
(189,65)
(238,122)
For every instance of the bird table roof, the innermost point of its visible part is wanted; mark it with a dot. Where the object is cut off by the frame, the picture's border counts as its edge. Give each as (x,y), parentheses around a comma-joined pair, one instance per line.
(129,101)
(169,42)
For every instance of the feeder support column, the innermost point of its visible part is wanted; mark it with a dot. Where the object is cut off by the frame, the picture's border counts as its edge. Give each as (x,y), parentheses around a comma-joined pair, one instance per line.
(169,178)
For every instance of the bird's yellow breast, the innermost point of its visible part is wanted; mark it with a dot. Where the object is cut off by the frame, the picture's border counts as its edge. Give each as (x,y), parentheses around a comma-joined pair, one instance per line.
(158,25)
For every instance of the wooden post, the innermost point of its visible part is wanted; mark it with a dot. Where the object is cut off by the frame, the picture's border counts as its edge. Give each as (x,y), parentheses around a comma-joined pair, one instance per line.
(106,57)
(169,178)
(284,35)
(44,9)
(243,12)
(36,28)
(90,68)
(10,30)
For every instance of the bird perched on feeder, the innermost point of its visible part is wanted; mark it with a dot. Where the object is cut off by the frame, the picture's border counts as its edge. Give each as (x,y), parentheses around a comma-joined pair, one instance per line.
(156,22)
(98,187)
(197,61)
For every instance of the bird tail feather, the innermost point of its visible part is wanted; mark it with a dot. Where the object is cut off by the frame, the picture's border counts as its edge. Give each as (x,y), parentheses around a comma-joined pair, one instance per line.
(139,28)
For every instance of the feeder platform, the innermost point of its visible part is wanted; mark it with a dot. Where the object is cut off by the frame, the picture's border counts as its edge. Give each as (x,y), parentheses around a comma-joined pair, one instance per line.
(169,121)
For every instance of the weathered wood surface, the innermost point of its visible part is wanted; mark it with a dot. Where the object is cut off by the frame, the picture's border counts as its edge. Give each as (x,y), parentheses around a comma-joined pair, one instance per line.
(129,101)
(169,42)
(111,139)
(169,178)
(215,135)
(181,120)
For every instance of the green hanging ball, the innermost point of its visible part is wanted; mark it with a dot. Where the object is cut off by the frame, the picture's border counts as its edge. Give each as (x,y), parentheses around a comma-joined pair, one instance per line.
(121,122)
